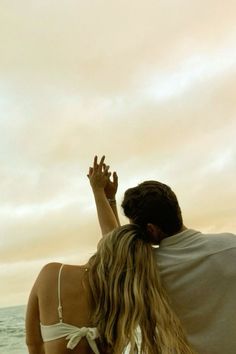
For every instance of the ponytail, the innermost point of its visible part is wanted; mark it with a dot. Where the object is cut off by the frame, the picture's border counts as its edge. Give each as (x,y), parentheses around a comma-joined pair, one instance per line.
(128,294)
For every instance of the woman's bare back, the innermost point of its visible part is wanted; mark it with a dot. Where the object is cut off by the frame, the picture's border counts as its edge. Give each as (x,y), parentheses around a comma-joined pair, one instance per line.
(76,303)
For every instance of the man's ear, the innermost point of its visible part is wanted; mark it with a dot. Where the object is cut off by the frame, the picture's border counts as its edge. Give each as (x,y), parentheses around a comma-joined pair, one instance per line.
(155,233)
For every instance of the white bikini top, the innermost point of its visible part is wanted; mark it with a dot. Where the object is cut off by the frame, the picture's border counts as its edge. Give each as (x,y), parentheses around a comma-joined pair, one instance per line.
(72,333)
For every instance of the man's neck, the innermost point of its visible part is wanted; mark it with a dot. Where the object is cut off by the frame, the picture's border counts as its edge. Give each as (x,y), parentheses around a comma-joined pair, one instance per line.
(162,236)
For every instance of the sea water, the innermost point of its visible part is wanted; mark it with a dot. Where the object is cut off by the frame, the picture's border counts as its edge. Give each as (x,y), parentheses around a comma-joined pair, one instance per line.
(12,330)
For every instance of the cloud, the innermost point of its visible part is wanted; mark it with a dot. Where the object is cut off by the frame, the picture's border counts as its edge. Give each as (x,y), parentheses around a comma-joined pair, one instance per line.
(104,47)
(151,85)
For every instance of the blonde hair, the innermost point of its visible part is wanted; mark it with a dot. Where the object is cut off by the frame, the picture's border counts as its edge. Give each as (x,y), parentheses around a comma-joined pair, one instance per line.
(127,293)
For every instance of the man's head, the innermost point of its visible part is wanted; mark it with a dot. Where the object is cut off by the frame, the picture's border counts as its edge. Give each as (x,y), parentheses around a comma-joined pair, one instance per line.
(153,206)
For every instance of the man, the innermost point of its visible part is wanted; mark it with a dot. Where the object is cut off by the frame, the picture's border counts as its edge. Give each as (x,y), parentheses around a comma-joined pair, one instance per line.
(198,270)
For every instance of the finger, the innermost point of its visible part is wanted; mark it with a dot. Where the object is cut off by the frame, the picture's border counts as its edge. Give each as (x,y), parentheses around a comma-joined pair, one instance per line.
(115,178)
(101,163)
(105,171)
(90,172)
(105,167)
(95,162)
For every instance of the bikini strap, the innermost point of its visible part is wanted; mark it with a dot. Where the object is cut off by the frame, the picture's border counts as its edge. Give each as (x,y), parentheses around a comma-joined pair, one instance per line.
(59,294)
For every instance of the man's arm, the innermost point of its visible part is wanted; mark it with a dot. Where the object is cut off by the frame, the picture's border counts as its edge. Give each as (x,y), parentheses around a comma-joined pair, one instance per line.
(98,177)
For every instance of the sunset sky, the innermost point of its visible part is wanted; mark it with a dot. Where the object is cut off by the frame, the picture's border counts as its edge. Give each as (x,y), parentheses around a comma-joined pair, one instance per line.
(150,84)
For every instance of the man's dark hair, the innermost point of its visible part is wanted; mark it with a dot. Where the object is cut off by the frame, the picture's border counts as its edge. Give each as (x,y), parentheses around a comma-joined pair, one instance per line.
(153,202)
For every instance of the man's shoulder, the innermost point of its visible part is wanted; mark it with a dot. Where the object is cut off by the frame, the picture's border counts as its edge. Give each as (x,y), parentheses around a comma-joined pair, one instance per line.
(219,234)
(215,243)
(223,238)
(191,245)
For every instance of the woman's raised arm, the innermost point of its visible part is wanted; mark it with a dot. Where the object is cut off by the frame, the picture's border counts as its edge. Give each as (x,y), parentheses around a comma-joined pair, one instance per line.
(99,176)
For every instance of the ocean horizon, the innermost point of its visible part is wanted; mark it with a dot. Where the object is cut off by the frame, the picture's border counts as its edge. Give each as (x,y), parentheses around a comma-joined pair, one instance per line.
(12,330)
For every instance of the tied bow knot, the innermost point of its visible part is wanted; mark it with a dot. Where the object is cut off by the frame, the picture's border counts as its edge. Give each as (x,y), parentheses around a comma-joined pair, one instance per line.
(90,333)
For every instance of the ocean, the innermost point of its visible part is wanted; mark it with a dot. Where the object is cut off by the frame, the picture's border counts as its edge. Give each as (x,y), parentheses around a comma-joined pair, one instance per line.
(12,330)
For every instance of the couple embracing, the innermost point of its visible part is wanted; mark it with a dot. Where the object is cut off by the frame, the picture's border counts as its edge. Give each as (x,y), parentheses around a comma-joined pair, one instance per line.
(154,286)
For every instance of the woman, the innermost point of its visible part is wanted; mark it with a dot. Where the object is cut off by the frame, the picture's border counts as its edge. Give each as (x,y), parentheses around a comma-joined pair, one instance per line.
(113,304)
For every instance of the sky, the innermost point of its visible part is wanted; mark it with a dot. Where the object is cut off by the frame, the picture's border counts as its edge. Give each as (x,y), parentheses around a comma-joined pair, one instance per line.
(150,84)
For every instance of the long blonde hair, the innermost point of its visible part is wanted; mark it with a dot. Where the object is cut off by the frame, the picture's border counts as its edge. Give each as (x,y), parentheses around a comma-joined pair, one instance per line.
(127,294)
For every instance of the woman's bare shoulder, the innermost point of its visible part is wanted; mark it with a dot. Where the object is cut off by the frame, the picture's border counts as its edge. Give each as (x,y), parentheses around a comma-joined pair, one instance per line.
(50,267)
(49,270)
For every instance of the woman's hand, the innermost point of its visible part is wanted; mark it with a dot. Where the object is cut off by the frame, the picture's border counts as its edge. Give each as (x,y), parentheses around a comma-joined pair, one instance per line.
(98,175)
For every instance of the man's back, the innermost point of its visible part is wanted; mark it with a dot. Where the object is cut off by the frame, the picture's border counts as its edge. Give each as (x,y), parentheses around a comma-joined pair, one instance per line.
(199,273)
